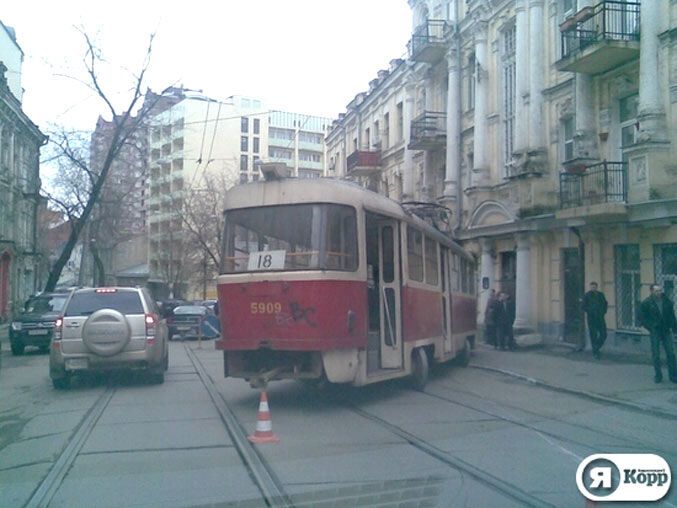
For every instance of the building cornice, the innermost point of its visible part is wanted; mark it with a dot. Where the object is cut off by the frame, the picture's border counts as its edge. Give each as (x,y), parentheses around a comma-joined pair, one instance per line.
(650,213)
(10,106)
(559,87)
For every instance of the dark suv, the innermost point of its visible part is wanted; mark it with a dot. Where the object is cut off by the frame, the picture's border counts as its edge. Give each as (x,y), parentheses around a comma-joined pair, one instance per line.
(35,325)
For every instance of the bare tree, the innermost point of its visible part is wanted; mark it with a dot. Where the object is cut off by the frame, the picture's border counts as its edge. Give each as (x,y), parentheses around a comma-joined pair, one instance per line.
(203,222)
(80,183)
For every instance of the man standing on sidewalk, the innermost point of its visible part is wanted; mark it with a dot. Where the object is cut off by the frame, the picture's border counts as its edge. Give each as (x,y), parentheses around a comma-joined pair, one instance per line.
(658,316)
(505,318)
(595,307)
(490,320)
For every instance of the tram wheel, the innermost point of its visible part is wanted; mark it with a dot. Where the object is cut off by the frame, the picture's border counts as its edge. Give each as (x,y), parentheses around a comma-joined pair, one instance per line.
(464,356)
(419,368)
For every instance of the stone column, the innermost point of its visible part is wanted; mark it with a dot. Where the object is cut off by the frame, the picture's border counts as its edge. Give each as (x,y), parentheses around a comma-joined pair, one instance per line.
(650,111)
(521,77)
(428,179)
(486,270)
(585,143)
(536,75)
(408,115)
(451,175)
(523,293)
(481,166)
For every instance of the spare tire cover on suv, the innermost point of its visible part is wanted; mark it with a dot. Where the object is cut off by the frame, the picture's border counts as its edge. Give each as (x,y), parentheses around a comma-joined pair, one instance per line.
(106,332)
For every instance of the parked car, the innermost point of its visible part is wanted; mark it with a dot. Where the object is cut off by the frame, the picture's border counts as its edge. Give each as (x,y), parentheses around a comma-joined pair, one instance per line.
(210,304)
(103,329)
(34,326)
(167,306)
(189,319)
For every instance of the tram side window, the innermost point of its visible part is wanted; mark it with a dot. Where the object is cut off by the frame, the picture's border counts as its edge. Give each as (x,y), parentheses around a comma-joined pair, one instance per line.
(431,262)
(341,251)
(455,283)
(415,254)
(467,277)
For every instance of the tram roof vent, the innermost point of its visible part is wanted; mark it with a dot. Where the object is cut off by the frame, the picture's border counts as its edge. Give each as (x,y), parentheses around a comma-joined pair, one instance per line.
(273,170)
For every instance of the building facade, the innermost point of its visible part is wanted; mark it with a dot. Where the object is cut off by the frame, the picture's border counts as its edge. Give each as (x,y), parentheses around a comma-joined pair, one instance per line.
(199,144)
(20,142)
(548,128)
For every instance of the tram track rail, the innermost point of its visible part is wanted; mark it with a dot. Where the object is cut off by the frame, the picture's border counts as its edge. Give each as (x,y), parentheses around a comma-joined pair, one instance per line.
(48,487)
(262,474)
(483,477)
(514,421)
(595,397)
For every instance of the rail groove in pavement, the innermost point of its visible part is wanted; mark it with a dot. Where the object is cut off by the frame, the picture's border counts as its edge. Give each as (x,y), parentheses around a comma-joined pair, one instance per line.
(262,474)
(596,397)
(478,474)
(44,493)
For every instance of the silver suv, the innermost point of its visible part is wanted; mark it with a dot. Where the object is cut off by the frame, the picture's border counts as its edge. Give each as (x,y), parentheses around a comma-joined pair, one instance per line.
(110,328)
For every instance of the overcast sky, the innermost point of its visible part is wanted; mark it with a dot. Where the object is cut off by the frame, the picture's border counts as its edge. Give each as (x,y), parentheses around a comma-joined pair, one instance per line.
(307,56)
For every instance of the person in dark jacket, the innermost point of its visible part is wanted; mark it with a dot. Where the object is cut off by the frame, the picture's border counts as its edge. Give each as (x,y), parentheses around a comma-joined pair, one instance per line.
(490,320)
(657,315)
(595,307)
(505,318)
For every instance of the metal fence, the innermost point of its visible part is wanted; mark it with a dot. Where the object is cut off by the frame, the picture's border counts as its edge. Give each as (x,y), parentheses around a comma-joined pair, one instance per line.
(608,20)
(431,32)
(599,183)
(430,125)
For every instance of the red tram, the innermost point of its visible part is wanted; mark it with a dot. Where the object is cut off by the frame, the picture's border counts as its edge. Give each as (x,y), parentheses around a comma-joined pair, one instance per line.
(323,279)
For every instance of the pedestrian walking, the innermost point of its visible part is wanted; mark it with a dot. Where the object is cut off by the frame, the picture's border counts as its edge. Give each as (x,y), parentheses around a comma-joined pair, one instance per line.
(490,319)
(595,307)
(657,315)
(505,318)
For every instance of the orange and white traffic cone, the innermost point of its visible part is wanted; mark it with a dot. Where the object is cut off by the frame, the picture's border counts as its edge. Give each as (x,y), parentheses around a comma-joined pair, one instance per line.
(264,425)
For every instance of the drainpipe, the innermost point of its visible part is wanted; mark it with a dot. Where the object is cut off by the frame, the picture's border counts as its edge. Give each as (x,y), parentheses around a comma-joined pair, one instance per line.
(459,186)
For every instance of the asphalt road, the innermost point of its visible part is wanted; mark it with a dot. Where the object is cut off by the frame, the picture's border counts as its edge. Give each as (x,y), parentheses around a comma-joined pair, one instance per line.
(472,438)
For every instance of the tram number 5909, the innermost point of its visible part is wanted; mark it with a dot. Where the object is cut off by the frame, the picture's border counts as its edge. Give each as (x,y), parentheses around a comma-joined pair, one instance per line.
(265,308)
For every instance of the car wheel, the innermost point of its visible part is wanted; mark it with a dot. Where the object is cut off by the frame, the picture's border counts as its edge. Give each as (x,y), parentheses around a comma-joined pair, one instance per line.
(419,368)
(62,383)
(17,348)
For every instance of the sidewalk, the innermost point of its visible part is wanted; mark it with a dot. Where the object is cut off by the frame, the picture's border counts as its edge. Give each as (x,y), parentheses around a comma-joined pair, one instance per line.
(616,378)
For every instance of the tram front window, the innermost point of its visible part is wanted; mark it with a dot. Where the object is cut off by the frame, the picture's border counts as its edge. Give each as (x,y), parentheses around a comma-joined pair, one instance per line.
(291,237)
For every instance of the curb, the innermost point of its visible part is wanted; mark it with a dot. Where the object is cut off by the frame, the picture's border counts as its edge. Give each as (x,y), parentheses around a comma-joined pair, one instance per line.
(589,395)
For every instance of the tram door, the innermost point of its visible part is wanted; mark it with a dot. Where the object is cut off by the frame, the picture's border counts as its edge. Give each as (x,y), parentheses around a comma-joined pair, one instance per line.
(446,260)
(389,294)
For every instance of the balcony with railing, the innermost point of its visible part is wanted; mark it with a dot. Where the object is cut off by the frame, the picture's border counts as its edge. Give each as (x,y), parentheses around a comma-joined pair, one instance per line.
(363,163)
(428,131)
(427,44)
(601,37)
(598,184)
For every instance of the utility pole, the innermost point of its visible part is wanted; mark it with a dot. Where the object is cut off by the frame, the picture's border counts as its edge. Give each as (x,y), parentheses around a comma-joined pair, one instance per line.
(204,275)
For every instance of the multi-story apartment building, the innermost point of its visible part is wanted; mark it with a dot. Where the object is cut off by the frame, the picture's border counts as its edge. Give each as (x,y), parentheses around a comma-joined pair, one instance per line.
(298,141)
(118,229)
(548,128)
(200,141)
(20,142)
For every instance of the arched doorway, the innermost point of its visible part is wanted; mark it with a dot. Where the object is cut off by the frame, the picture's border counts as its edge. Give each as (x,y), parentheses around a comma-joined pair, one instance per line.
(5,261)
